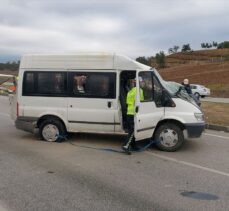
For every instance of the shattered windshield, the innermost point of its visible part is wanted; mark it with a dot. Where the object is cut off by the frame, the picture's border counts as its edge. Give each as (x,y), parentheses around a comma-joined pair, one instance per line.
(178,90)
(175,89)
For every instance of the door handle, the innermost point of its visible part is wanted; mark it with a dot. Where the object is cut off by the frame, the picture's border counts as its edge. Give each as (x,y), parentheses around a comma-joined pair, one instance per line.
(109,103)
(136,109)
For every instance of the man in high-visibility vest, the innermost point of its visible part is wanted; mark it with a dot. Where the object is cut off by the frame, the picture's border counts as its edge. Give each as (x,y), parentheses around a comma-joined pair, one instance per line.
(130,101)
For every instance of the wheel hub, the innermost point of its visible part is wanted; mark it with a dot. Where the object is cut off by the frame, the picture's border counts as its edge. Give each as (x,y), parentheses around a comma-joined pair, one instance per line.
(168,137)
(50,132)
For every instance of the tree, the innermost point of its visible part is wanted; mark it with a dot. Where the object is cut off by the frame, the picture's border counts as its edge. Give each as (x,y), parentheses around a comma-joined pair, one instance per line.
(143,60)
(13,65)
(214,44)
(186,48)
(174,49)
(203,45)
(151,61)
(208,45)
(220,45)
(160,59)
(170,51)
(224,44)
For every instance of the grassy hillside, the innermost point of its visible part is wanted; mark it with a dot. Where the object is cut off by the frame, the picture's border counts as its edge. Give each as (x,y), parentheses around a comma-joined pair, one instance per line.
(207,67)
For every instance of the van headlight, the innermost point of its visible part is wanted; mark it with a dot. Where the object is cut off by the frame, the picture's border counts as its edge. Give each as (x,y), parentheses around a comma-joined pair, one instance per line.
(199,116)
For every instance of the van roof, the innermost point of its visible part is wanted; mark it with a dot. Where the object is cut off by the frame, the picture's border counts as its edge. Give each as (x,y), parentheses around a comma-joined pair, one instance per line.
(77,61)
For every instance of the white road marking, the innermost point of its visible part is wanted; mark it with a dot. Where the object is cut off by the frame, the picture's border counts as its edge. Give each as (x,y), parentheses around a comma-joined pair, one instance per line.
(3,114)
(209,134)
(189,164)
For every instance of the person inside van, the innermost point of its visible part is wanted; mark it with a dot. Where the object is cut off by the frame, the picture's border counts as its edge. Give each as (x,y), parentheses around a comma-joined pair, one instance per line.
(130,101)
(79,82)
(104,87)
(58,82)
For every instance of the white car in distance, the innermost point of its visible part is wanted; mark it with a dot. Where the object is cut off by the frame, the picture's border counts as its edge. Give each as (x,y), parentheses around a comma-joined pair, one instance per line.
(200,90)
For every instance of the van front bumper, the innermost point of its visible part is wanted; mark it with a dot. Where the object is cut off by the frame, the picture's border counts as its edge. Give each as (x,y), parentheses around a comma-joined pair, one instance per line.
(194,130)
(28,124)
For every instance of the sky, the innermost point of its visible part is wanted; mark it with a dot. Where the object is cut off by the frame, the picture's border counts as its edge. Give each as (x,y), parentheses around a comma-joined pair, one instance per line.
(130,27)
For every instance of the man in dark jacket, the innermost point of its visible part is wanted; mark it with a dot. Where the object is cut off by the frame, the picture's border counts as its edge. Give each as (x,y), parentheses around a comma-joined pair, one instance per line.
(187,86)
(188,89)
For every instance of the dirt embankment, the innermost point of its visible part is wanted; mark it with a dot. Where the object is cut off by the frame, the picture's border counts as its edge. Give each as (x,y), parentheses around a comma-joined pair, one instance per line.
(208,67)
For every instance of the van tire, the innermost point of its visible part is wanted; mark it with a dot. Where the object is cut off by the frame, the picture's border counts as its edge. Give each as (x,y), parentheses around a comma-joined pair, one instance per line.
(50,129)
(169,137)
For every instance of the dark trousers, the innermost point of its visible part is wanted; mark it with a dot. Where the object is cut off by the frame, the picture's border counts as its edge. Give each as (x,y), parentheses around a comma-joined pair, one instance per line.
(130,140)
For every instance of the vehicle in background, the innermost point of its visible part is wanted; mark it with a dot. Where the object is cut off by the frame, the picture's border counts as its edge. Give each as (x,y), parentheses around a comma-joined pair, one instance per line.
(7,83)
(57,94)
(200,90)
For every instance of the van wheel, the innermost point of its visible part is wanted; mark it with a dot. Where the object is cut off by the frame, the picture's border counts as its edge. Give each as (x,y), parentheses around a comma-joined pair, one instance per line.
(51,129)
(169,137)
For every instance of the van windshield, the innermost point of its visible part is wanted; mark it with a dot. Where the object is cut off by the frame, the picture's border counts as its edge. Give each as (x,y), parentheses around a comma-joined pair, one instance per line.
(175,89)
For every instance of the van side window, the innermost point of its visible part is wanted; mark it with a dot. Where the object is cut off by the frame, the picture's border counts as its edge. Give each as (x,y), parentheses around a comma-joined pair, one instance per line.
(146,86)
(45,84)
(28,85)
(51,83)
(93,85)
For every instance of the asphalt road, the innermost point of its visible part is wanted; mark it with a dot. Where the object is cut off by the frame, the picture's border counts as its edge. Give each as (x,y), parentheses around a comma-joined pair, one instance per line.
(215,100)
(80,175)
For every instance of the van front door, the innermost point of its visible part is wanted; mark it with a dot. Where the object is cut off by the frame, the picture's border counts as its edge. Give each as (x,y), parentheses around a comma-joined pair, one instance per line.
(148,111)
(92,103)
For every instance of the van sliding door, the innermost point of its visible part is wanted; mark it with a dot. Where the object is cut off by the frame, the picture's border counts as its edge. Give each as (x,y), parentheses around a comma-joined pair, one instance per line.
(92,103)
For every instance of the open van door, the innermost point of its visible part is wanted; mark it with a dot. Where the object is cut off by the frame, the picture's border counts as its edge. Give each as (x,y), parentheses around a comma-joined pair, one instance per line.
(148,114)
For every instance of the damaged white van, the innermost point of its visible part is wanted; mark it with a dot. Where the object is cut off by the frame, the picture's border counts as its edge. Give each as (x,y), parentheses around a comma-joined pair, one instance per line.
(83,92)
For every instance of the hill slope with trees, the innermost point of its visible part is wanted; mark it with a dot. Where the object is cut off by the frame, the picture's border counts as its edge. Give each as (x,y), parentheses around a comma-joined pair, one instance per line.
(206,67)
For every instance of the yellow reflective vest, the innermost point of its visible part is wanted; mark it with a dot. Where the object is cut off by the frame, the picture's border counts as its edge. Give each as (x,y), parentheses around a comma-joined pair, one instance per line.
(130,100)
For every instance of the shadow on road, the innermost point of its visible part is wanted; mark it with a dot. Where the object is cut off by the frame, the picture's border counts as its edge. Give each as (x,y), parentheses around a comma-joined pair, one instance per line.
(110,141)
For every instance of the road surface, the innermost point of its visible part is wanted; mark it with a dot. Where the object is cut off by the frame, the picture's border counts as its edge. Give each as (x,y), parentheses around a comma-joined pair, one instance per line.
(81,175)
(215,100)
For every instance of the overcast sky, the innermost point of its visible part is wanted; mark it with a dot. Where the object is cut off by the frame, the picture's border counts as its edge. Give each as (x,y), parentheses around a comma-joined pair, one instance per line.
(131,27)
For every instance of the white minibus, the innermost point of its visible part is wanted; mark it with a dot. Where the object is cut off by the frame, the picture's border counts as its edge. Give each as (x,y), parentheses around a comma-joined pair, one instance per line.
(86,92)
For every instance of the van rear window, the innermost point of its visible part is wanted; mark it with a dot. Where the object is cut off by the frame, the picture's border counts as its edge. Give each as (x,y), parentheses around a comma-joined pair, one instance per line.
(28,84)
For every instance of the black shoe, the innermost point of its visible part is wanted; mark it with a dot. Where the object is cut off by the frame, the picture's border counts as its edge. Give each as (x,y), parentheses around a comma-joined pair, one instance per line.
(126,150)
(135,148)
